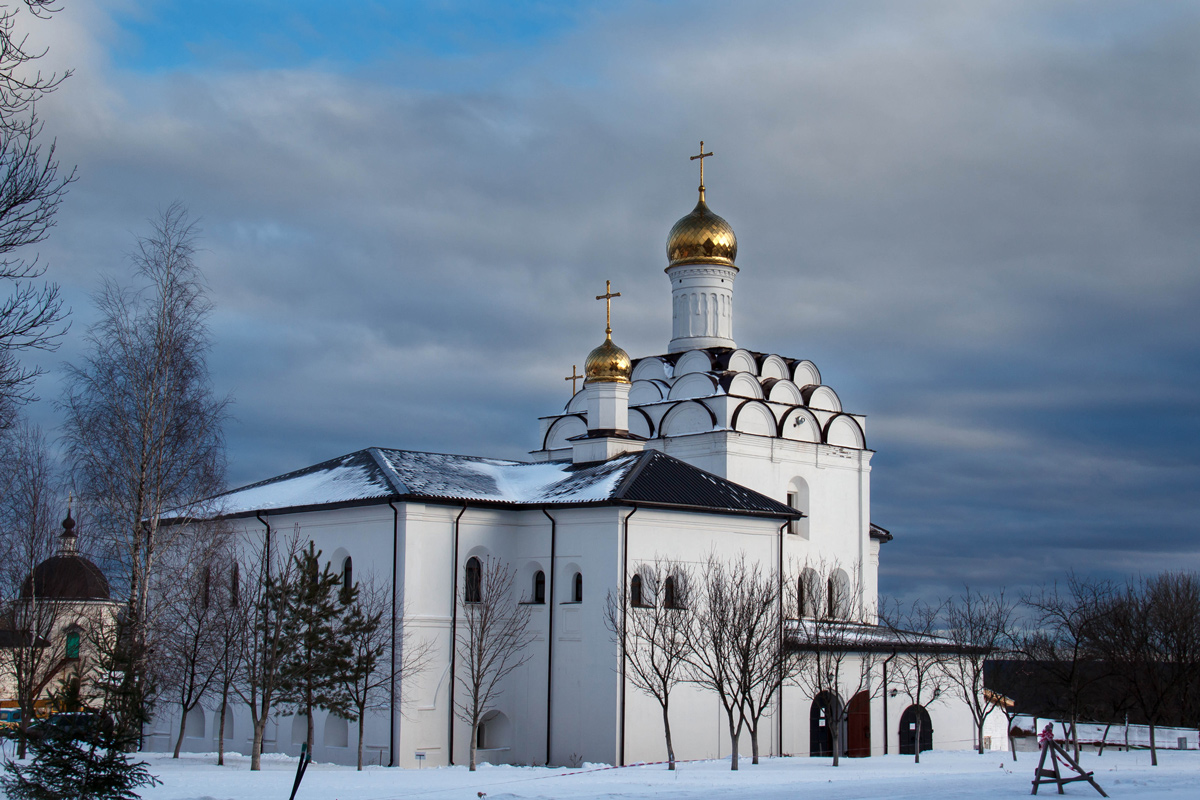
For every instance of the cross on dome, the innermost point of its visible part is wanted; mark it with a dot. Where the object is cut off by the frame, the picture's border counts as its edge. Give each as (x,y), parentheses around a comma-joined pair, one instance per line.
(573,377)
(607,298)
(703,155)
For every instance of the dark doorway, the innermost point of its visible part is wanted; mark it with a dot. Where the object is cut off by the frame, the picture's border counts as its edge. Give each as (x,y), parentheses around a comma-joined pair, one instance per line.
(825,711)
(858,726)
(908,731)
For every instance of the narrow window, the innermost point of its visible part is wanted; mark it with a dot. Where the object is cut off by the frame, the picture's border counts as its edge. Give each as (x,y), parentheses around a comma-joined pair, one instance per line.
(833,598)
(801,600)
(347,579)
(206,589)
(473,591)
(793,500)
(635,591)
(669,598)
(539,587)
(235,587)
(72,644)
(577,596)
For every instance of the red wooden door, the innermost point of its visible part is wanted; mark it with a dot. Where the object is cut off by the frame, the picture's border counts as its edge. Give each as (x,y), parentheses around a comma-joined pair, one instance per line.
(858,726)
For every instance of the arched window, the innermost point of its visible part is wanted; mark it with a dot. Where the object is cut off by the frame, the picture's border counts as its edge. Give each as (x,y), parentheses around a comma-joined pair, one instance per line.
(473,589)
(635,592)
(73,638)
(831,595)
(577,594)
(670,597)
(235,587)
(797,498)
(347,579)
(539,587)
(808,593)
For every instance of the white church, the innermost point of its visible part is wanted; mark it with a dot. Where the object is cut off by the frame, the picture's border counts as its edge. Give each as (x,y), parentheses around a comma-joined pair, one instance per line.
(706,448)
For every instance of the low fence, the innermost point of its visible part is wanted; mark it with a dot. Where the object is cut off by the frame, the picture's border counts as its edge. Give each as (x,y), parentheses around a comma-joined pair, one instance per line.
(1117,735)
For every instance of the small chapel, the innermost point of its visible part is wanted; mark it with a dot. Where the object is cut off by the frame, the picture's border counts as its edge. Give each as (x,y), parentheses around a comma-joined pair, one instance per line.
(707,447)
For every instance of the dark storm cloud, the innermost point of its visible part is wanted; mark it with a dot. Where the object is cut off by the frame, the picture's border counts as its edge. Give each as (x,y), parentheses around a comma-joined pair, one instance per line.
(979,220)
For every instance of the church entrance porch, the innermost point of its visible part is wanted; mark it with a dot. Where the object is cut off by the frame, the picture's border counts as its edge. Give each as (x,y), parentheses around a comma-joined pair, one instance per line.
(858,726)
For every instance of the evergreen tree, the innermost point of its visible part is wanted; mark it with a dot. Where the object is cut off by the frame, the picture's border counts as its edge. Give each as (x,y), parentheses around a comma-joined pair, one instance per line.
(84,759)
(311,677)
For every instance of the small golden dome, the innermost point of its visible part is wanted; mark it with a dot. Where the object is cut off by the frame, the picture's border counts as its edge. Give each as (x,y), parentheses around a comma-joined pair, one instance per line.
(701,237)
(607,364)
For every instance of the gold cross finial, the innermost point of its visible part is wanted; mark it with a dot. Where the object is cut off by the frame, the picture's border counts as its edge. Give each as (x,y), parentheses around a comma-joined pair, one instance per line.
(607,298)
(703,155)
(573,377)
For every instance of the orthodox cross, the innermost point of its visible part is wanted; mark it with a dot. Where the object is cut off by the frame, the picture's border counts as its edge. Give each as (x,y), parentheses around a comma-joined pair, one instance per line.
(607,297)
(572,378)
(703,155)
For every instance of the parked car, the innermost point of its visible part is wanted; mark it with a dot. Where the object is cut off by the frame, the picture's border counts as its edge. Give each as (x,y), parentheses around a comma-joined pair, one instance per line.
(9,718)
(74,724)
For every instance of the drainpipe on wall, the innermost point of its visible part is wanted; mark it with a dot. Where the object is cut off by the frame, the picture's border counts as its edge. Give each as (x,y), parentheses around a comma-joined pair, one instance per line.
(550,631)
(886,732)
(624,614)
(266,546)
(395,725)
(453,636)
(779,705)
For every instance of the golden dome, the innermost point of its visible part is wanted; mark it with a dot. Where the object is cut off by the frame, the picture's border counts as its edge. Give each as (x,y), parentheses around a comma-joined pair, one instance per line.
(607,364)
(701,237)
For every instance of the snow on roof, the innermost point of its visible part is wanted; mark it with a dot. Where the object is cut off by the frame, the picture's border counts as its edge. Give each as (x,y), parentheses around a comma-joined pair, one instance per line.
(380,474)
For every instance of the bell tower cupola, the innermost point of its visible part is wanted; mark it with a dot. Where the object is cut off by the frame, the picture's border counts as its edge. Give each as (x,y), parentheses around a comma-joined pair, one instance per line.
(701,249)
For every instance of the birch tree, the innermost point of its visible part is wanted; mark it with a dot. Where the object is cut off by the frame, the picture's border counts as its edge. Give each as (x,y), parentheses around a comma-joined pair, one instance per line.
(143,426)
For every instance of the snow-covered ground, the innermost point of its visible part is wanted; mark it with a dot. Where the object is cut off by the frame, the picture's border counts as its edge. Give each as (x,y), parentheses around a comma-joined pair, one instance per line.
(939,775)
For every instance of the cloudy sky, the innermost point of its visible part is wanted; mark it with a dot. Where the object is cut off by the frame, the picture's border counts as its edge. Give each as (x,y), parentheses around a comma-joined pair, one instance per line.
(981,220)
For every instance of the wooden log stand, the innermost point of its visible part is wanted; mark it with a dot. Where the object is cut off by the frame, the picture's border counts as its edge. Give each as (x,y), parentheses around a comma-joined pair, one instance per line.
(1059,755)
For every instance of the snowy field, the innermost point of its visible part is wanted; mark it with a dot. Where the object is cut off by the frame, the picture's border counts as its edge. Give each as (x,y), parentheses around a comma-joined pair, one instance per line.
(939,775)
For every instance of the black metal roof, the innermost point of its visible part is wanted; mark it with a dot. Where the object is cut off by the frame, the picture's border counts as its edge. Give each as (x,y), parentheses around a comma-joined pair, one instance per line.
(381,475)
(661,479)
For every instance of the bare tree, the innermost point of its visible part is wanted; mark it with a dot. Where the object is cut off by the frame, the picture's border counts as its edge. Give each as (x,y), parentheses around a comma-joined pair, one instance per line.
(1060,646)
(232,633)
(272,567)
(1148,633)
(839,653)
(368,629)
(651,626)
(33,614)
(492,638)
(31,189)
(190,628)
(978,624)
(143,427)
(735,643)
(920,671)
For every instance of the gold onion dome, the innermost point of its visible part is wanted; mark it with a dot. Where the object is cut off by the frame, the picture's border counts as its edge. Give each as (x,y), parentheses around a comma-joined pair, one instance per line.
(607,364)
(701,237)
